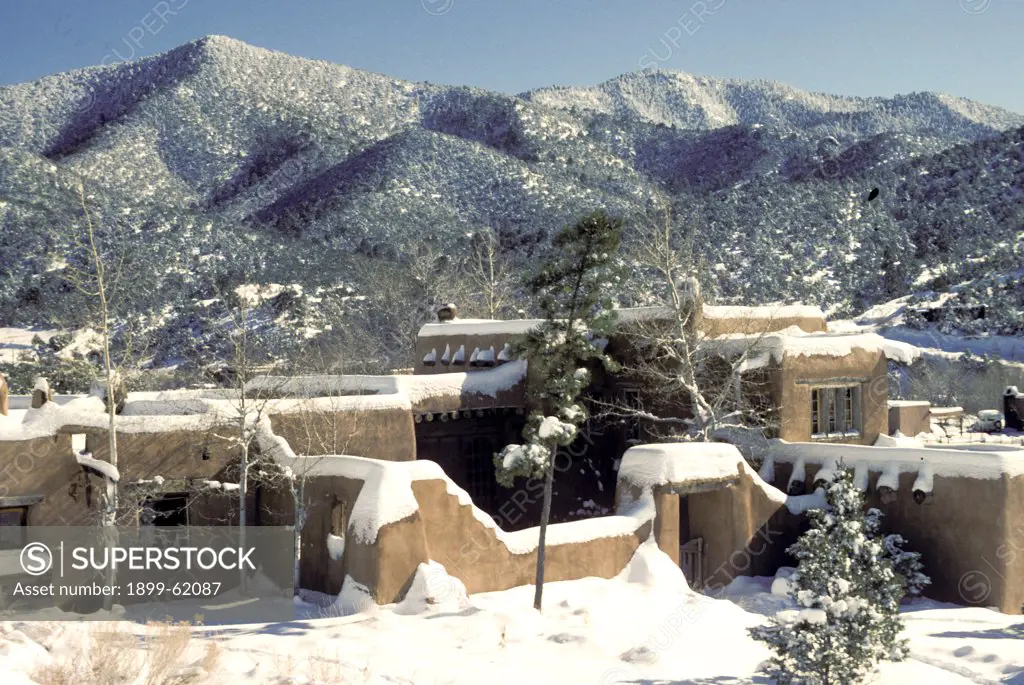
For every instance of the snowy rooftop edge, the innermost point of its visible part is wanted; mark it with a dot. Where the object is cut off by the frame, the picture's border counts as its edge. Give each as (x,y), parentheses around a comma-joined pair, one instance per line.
(415,388)
(798,343)
(479,327)
(653,465)
(951,463)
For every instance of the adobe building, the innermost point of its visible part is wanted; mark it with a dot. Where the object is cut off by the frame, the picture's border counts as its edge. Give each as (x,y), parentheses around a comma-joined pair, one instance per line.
(401,468)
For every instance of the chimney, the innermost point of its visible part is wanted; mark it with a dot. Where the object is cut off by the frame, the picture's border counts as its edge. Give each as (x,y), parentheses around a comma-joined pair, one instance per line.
(448,312)
(41,393)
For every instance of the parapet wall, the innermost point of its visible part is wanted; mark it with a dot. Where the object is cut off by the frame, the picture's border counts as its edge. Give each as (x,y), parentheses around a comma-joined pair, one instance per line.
(962,510)
(397,515)
(383,433)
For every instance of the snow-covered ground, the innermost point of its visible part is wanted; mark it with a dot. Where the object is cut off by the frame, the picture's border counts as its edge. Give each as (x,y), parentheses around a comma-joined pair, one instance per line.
(643,627)
(14,341)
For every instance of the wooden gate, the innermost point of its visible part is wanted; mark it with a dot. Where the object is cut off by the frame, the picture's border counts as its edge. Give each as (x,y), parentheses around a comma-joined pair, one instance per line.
(691,559)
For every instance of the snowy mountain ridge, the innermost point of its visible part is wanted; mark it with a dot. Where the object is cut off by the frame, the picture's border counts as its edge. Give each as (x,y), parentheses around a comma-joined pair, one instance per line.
(229,164)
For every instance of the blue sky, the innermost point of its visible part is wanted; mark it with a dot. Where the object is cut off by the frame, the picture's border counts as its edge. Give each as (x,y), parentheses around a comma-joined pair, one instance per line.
(964,47)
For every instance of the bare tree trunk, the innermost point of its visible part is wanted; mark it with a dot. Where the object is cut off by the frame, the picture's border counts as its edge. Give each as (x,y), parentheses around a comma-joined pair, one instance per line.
(545,514)
(300,523)
(243,492)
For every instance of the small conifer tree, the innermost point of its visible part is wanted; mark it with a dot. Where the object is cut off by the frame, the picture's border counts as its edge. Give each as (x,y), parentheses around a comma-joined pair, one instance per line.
(847,595)
(907,565)
(574,288)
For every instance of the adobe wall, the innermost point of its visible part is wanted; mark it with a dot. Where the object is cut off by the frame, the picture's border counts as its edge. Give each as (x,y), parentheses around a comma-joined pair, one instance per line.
(970,535)
(471,551)
(44,467)
(202,453)
(716,326)
(189,457)
(387,434)
(442,530)
(798,374)
(386,566)
(745,532)
(910,419)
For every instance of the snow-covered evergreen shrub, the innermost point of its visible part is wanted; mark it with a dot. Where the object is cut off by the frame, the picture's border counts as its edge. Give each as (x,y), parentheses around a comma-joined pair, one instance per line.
(848,599)
(906,565)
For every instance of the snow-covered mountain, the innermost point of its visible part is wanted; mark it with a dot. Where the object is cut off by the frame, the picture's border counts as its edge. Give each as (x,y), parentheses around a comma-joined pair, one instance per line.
(223,164)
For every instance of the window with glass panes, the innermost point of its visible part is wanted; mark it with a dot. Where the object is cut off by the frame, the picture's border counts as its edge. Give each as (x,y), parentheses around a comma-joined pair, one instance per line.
(835,410)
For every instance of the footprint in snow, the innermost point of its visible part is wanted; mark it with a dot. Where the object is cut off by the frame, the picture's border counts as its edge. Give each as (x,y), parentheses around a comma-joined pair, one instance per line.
(563,638)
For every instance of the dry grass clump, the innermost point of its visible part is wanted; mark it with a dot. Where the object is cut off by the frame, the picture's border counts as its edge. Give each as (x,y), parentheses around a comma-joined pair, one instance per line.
(110,655)
(318,668)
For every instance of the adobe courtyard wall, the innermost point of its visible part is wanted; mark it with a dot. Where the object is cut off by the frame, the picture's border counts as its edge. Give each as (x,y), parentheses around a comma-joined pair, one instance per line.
(970,534)
(472,552)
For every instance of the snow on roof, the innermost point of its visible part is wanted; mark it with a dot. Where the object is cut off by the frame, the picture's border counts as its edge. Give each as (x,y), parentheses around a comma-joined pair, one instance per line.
(796,504)
(108,470)
(797,343)
(769,311)
(649,466)
(479,327)
(897,439)
(946,412)
(709,311)
(909,403)
(89,412)
(946,463)
(204,409)
(387,497)
(410,389)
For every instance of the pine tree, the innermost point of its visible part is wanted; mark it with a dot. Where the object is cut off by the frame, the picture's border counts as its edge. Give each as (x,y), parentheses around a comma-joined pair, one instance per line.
(574,289)
(848,599)
(906,565)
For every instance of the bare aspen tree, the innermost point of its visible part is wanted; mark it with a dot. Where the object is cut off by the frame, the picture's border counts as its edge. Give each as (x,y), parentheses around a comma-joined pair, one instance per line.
(702,385)
(317,428)
(98,278)
(489,274)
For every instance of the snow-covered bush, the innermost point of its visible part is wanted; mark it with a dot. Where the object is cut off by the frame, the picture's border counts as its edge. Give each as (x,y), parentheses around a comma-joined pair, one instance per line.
(907,565)
(847,596)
